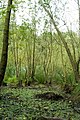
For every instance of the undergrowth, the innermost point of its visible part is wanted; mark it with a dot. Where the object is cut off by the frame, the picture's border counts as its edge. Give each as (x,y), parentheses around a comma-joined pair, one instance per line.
(21,104)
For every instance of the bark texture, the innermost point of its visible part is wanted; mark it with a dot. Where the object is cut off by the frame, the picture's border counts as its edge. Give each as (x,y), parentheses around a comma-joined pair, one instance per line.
(4,56)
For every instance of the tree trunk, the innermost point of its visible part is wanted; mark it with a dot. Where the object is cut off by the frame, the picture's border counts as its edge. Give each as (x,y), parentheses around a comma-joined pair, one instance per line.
(15,49)
(33,61)
(4,55)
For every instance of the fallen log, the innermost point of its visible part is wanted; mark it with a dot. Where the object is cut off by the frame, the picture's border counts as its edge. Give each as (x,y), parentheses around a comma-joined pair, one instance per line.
(49,118)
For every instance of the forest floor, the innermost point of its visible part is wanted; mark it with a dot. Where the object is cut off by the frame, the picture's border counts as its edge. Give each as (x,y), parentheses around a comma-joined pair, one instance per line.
(23,104)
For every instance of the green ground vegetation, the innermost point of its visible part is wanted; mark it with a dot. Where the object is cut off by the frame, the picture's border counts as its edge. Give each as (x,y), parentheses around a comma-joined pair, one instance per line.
(21,104)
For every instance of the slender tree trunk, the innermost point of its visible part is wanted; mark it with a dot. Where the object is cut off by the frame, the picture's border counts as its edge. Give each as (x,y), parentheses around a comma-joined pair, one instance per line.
(63,67)
(15,49)
(79,17)
(78,62)
(28,62)
(19,74)
(4,55)
(33,62)
(17,60)
(29,57)
(34,44)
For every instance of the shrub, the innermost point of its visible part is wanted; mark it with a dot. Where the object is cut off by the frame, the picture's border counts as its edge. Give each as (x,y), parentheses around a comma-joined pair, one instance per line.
(58,75)
(71,78)
(12,80)
(39,74)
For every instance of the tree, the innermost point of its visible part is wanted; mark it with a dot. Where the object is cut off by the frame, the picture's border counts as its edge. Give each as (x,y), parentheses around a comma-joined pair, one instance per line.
(78,62)
(4,55)
(75,64)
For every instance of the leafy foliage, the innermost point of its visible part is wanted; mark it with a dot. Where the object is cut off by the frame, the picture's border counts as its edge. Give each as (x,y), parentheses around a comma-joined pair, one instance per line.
(39,74)
(20,104)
